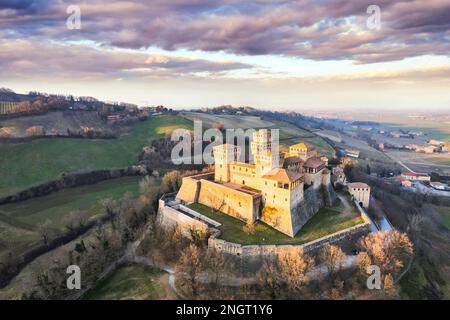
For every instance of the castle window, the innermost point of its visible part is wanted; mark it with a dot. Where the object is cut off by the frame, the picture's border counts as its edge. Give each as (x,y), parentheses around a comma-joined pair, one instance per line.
(266,183)
(285,199)
(243,182)
(240,205)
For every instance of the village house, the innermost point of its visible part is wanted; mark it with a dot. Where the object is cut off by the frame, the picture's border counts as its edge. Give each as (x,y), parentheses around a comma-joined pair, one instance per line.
(412,176)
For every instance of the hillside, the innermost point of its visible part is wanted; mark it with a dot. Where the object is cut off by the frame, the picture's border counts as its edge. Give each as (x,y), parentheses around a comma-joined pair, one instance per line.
(26,164)
(57,122)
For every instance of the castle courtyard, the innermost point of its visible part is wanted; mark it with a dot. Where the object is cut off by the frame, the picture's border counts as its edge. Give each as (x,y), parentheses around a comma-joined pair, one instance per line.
(327,221)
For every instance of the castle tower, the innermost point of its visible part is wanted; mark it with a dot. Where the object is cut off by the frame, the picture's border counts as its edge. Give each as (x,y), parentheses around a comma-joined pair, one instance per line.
(300,150)
(223,156)
(265,151)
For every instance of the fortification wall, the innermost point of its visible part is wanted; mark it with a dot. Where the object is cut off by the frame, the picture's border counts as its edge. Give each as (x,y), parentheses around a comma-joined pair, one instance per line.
(328,192)
(189,190)
(313,200)
(250,257)
(233,202)
(170,218)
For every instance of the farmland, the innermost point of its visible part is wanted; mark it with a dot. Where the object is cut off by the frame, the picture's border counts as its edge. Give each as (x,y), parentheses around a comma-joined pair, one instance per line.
(421,162)
(19,221)
(7,107)
(56,122)
(38,161)
(228,121)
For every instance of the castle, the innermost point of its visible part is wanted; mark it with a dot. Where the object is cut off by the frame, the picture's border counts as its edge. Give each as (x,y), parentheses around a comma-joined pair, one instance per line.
(283,190)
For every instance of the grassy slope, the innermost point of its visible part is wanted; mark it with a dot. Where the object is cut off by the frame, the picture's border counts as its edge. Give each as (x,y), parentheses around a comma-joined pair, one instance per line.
(18,221)
(57,120)
(325,222)
(445,214)
(133,282)
(23,165)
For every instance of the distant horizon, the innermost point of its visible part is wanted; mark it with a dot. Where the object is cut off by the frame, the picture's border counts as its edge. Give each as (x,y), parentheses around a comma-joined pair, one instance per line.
(315,55)
(304,109)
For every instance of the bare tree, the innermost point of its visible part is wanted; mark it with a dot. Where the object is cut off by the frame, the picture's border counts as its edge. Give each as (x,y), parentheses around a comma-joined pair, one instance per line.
(363,261)
(217,264)
(171,181)
(188,269)
(269,280)
(332,257)
(388,250)
(46,231)
(293,266)
(75,220)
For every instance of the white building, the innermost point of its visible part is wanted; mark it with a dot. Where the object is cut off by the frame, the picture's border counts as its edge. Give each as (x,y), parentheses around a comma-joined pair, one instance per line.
(360,192)
(438,186)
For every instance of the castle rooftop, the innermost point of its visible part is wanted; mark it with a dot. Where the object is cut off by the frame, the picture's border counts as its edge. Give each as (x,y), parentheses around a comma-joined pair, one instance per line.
(314,163)
(282,175)
(358,185)
(299,145)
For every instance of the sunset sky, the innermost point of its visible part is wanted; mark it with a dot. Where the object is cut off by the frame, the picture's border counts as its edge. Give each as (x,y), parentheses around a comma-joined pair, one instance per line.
(198,53)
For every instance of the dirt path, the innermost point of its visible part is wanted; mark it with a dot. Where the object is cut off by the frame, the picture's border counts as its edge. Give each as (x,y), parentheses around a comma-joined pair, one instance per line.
(348,208)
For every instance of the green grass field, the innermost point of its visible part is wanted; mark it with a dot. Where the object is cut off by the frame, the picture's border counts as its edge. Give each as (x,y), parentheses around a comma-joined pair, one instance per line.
(445,214)
(326,221)
(433,129)
(19,221)
(27,164)
(131,282)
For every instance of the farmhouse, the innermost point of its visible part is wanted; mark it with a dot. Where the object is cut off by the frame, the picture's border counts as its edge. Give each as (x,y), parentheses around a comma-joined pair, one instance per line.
(352,153)
(412,176)
(280,189)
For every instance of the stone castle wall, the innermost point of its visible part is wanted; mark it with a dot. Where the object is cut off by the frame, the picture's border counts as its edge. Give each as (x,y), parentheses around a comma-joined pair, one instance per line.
(190,187)
(249,258)
(314,198)
(202,189)
(238,204)
(170,218)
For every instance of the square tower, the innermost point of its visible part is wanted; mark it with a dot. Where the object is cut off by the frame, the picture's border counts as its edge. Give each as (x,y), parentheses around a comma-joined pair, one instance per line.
(265,151)
(223,156)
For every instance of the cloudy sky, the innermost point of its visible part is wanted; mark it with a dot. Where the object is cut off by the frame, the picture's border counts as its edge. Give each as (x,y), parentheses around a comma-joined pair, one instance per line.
(286,54)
